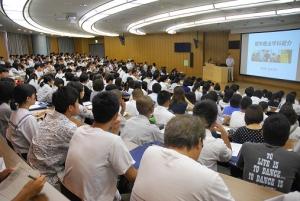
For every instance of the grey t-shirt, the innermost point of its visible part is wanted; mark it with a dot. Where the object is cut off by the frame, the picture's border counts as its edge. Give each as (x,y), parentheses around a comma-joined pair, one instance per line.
(271,166)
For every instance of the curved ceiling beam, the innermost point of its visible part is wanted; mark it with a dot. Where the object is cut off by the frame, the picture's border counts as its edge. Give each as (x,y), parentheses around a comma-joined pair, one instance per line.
(18,12)
(272,13)
(87,21)
(134,27)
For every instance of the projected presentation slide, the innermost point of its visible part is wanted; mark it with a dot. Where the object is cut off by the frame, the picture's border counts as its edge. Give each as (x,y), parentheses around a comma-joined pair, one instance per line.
(271,55)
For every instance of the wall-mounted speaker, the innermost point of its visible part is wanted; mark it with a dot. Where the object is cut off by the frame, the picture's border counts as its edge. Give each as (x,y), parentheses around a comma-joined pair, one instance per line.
(122,39)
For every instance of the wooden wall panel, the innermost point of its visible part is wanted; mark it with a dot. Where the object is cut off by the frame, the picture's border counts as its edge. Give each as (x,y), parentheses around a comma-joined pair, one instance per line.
(158,48)
(81,45)
(54,44)
(236,54)
(216,46)
(3,45)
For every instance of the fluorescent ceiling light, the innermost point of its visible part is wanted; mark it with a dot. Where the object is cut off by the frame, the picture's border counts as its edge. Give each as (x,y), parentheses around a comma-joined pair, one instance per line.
(173,29)
(87,22)
(251,15)
(288,11)
(18,12)
(133,27)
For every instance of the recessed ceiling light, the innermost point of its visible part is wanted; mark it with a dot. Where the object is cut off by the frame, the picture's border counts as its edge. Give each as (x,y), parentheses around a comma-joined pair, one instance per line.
(1,25)
(83,5)
(19,29)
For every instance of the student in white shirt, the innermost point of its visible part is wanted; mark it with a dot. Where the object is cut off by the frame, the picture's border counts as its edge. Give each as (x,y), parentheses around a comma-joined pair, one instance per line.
(97,156)
(131,104)
(23,125)
(39,70)
(156,88)
(138,129)
(172,173)
(48,151)
(214,149)
(161,112)
(256,98)
(155,78)
(237,118)
(6,94)
(45,92)
(291,99)
(98,86)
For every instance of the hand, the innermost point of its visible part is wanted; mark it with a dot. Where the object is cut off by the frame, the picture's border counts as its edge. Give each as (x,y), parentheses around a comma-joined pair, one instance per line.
(33,187)
(4,174)
(218,128)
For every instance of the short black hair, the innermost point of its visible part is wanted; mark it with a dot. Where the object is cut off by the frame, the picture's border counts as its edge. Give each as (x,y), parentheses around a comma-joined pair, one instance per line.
(84,77)
(105,106)
(207,110)
(276,130)
(249,91)
(98,85)
(288,111)
(76,85)
(59,82)
(163,97)
(212,95)
(110,87)
(7,90)
(290,98)
(228,93)
(235,100)
(264,105)
(3,69)
(258,93)
(246,102)
(254,115)
(156,88)
(63,98)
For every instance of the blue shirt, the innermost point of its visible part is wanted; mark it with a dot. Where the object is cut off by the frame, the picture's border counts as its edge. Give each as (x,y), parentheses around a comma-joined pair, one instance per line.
(228,110)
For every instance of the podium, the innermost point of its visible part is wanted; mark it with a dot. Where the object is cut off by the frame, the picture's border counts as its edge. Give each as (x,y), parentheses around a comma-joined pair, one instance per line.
(215,73)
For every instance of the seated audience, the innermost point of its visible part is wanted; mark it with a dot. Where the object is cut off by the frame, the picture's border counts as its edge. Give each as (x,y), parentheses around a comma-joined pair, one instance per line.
(23,125)
(291,99)
(98,86)
(131,104)
(178,103)
(156,88)
(45,91)
(228,93)
(48,151)
(288,111)
(249,92)
(177,175)
(235,102)
(138,129)
(252,132)
(6,89)
(84,78)
(161,112)
(237,118)
(268,163)
(97,156)
(214,149)
(256,98)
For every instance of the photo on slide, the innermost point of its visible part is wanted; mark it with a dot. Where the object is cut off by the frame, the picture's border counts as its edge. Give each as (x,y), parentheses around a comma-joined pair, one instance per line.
(283,56)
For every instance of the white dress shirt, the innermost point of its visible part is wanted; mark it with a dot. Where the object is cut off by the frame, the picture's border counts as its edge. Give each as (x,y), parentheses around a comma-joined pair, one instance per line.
(138,130)
(162,115)
(165,175)
(131,108)
(214,150)
(153,96)
(94,161)
(45,93)
(230,62)
(237,119)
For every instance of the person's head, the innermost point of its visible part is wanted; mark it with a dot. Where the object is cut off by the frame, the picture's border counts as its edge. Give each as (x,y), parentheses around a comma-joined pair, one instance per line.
(6,91)
(69,76)
(109,78)
(47,79)
(145,106)
(185,132)
(196,86)
(212,95)
(207,110)
(245,103)
(288,111)
(110,87)
(38,67)
(156,88)
(254,115)
(3,72)
(178,95)
(84,78)
(217,87)
(235,100)
(137,93)
(156,75)
(65,101)
(163,98)
(235,87)
(59,82)
(227,95)
(276,130)
(290,98)
(249,91)
(98,85)
(258,93)
(105,107)
(264,105)
(79,87)
(23,95)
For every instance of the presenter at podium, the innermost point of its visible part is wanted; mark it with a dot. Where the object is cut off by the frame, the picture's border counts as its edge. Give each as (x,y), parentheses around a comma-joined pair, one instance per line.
(230,64)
